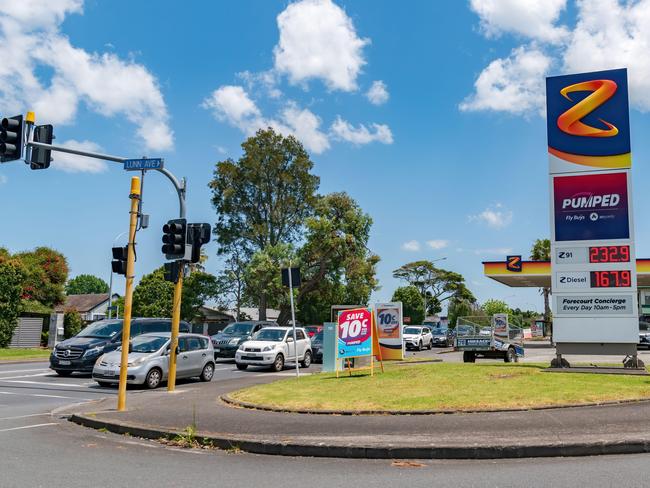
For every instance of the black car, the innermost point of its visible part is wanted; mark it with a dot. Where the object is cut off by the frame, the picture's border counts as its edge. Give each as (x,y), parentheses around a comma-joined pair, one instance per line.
(79,353)
(644,334)
(442,337)
(317,347)
(227,341)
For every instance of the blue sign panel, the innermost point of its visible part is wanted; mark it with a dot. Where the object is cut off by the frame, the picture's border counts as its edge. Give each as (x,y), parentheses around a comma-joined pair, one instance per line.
(143,164)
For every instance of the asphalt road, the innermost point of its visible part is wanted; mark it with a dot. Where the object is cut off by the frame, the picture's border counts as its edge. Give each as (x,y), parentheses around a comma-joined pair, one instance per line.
(40,448)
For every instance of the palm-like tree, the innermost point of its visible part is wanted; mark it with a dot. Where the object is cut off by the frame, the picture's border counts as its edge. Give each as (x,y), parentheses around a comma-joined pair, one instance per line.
(541,251)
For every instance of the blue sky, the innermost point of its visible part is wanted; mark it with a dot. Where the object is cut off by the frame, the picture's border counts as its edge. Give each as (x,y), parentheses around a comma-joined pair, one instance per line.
(447,153)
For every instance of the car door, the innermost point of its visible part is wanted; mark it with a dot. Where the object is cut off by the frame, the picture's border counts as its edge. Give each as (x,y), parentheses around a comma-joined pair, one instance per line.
(291,345)
(197,353)
(303,341)
(183,361)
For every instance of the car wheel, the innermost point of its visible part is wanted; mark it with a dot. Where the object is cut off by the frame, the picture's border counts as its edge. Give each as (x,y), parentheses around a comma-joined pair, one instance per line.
(278,364)
(420,346)
(208,372)
(469,357)
(153,379)
(510,356)
(105,384)
(241,366)
(62,372)
(306,360)
(430,345)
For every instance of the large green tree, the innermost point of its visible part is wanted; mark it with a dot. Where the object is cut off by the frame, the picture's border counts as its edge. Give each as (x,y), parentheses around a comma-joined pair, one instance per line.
(541,251)
(335,262)
(231,283)
(263,198)
(46,272)
(436,285)
(492,306)
(11,290)
(153,296)
(459,308)
(85,283)
(412,303)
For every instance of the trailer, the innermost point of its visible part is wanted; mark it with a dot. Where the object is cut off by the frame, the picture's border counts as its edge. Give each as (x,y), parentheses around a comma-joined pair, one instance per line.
(489,337)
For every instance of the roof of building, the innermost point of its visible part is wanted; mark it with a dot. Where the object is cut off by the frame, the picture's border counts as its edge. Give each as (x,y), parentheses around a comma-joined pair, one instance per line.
(82,303)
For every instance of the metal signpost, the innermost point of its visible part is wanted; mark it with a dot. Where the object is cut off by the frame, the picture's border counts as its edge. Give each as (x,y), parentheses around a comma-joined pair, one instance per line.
(289,275)
(593,256)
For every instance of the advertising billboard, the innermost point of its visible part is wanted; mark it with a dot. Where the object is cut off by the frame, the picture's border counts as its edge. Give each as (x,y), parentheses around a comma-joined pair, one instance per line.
(389,330)
(354,333)
(588,124)
(591,207)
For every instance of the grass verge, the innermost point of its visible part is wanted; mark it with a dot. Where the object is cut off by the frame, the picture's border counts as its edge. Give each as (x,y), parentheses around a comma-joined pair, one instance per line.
(18,354)
(447,387)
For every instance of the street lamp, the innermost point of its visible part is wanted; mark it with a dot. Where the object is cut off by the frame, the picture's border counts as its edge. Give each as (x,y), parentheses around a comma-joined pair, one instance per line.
(110,286)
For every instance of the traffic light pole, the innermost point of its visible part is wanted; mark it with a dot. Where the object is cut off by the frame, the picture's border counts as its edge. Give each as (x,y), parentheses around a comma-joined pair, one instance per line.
(176,318)
(128,293)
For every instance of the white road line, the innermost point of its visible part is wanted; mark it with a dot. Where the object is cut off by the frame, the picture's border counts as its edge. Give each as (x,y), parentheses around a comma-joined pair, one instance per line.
(25,416)
(24,376)
(43,395)
(24,371)
(27,382)
(28,427)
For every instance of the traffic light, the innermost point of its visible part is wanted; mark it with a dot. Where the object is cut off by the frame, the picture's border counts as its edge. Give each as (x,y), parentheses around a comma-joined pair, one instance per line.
(40,158)
(197,235)
(172,270)
(11,138)
(119,260)
(174,239)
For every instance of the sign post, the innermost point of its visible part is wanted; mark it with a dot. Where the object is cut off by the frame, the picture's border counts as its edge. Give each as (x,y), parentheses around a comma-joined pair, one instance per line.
(593,271)
(291,277)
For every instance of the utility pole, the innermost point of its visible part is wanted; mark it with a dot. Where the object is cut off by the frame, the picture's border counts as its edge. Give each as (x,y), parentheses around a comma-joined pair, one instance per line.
(176,318)
(128,292)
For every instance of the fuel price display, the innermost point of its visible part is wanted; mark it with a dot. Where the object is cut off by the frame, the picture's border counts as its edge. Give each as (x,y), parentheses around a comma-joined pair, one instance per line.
(611,279)
(609,254)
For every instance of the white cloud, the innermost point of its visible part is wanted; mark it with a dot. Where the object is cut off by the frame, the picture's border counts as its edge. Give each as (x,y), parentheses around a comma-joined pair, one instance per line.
(531,18)
(71,163)
(495,216)
(378,93)
(233,105)
(514,84)
(411,246)
(342,129)
(437,244)
(498,251)
(103,82)
(318,41)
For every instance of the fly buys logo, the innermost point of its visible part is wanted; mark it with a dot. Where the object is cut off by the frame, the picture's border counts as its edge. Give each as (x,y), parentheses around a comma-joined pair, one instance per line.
(587,120)
(591,207)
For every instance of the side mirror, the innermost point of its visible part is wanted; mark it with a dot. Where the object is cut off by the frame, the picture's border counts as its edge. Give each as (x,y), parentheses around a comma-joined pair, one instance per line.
(178,350)
(289,339)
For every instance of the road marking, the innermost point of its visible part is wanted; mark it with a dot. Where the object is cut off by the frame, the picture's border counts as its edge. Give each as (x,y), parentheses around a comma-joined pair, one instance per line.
(23,376)
(25,416)
(27,382)
(24,371)
(42,395)
(28,427)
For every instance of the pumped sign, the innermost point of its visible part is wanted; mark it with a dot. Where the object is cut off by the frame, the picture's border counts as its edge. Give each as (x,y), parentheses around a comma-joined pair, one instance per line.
(592,231)
(354,333)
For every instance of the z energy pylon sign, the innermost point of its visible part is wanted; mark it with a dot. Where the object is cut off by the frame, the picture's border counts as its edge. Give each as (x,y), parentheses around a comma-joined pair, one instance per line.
(592,232)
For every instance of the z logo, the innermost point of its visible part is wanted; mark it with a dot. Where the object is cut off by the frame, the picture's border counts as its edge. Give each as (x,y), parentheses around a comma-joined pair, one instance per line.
(570,121)
(513,263)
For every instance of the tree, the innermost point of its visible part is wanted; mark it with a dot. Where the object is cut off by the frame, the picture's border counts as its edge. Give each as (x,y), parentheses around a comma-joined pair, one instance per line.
(232,284)
(263,199)
(459,308)
(85,283)
(335,261)
(541,251)
(492,306)
(262,275)
(11,289)
(412,303)
(46,272)
(72,323)
(153,296)
(436,285)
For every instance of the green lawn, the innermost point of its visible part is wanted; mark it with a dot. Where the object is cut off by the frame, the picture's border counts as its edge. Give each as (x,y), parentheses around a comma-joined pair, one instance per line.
(17,354)
(447,386)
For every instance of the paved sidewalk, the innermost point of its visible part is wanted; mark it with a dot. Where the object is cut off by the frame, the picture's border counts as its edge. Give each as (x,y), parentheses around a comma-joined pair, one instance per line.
(554,432)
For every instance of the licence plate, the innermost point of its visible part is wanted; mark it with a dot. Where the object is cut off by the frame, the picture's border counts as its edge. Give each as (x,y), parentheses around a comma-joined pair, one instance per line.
(65,363)
(110,372)
(217,350)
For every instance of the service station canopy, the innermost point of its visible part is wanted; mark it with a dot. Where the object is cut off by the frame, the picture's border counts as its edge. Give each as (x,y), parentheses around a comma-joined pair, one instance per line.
(537,274)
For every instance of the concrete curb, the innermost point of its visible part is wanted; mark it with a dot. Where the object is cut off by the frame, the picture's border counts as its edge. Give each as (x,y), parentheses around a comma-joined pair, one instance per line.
(320,449)
(267,408)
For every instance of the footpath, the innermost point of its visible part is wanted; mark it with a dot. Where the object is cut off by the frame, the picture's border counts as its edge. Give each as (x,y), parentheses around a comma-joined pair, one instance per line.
(572,431)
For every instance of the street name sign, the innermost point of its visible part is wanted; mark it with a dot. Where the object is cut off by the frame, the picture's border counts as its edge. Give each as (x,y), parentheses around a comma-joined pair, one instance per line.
(143,164)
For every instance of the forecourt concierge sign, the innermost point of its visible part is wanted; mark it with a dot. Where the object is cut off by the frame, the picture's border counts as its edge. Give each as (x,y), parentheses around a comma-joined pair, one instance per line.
(592,232)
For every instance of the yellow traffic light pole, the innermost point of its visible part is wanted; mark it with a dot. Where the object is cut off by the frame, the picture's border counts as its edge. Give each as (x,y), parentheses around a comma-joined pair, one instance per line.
(176,319)
(128,293)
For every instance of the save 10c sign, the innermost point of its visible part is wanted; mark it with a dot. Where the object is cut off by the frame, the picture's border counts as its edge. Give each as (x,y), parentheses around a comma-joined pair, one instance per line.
(354,333)
(592,233)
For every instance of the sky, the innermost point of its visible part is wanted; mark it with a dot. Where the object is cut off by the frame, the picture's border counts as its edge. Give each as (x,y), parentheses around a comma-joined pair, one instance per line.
(429,114)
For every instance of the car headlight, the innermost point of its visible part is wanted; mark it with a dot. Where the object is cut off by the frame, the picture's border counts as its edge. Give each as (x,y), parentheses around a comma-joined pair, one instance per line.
(136,362)
(93,351)
(241,346)
(268,348)
(233,342)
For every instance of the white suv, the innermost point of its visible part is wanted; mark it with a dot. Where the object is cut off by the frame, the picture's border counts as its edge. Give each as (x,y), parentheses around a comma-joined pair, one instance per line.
(273,346)
(417,337)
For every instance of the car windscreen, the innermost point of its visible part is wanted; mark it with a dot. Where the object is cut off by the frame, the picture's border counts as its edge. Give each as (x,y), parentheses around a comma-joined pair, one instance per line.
(274,335)
(238,328)
(412,330)
(147,343)
(439,331)
(317,337)
(103,329)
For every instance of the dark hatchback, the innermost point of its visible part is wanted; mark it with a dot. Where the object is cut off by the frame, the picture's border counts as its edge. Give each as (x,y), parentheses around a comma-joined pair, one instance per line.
(79,353)
(227,341)
(317,347)
(442,336)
